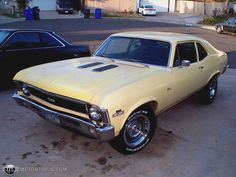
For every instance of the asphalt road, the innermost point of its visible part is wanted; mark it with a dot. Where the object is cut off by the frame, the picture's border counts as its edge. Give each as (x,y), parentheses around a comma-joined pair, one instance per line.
(192,140)
(93,32)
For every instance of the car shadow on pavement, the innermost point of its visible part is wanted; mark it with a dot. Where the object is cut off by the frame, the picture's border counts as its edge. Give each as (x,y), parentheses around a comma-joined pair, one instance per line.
(232,59)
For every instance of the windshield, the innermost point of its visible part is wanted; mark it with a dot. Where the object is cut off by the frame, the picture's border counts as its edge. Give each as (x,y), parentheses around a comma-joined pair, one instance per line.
(145,51)
(3,35)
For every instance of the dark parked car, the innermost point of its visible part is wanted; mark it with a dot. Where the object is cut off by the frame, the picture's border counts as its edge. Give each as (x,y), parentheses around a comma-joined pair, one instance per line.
(21,49)
(227,26)
(64,6)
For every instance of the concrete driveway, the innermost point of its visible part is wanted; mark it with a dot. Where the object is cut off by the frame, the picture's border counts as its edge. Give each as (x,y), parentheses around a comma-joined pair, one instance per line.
(192,140)
(175,18)
(52,14)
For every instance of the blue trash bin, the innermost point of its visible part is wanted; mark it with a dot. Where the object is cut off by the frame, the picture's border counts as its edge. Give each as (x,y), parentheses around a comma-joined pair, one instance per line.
(98,13)
(28,12)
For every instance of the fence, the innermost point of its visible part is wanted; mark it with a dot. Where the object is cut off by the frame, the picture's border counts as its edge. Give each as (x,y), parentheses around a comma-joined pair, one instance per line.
(199,8)
(112,5)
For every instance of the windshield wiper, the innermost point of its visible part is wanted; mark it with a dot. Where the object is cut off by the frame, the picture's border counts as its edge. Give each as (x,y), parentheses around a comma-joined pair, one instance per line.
(107,57)
(137,62)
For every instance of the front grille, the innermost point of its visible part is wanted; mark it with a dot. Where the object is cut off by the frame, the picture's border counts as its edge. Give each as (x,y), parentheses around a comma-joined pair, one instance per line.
(60,101)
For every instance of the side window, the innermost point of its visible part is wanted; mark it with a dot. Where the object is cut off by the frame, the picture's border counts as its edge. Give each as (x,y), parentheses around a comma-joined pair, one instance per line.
(185,51)
(229,22)
(201,52)
(22,40)
(48,41)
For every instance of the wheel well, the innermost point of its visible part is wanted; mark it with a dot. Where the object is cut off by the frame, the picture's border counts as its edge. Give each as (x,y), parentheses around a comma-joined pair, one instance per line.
(151,105)
(216,75)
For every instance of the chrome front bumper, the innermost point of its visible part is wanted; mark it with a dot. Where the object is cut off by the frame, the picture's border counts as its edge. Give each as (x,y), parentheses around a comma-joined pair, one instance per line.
(103,134)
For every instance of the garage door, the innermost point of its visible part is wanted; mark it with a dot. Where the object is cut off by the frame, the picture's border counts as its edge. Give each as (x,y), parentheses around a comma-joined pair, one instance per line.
(160,5)
(44,5)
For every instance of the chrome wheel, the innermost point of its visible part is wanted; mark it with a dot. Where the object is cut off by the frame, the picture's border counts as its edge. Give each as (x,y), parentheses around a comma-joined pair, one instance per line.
(136,130)
(212,89)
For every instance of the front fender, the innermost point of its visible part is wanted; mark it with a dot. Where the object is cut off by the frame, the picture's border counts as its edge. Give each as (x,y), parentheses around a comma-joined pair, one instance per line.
(118,122)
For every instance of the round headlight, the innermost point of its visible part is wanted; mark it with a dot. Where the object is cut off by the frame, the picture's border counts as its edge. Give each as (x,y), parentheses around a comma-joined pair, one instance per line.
(95,113)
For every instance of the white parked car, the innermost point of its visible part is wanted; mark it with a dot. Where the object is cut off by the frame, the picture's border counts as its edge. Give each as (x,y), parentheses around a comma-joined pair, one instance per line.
(147,10)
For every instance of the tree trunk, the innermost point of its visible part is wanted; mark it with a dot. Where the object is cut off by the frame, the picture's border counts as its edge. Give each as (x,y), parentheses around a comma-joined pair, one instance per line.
(226,7)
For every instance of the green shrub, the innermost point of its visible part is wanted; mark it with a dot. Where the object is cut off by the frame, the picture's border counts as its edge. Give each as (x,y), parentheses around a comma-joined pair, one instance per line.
(209,21)
(22,4)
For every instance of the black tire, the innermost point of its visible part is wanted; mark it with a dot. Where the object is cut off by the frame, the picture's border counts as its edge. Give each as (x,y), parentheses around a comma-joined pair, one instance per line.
(141,124)
(219,30)
(208,93)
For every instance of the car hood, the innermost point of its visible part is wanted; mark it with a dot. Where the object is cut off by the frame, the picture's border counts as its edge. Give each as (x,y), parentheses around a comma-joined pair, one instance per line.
(77,79)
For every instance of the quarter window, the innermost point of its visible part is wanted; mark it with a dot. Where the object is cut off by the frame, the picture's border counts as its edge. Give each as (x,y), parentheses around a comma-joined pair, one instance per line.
(48,41)
(23,40)
(201,52)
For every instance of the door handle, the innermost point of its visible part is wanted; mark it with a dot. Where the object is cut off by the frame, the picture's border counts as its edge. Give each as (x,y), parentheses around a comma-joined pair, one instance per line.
(201,67)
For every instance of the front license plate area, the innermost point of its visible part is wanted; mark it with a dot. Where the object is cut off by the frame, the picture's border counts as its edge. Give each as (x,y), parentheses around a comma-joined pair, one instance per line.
(52,118)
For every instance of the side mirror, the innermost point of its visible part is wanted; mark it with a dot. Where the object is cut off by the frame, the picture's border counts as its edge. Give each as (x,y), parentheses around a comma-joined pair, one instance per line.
(185,63)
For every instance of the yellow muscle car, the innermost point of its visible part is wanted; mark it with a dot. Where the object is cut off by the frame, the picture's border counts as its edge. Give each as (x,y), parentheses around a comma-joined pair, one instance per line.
(116,94)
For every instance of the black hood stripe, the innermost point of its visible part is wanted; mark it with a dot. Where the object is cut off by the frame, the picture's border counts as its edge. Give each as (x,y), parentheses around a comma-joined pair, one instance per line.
(90,65)
(104,68)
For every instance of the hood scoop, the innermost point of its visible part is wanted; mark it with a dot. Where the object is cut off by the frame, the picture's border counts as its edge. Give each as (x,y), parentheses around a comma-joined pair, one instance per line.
(90,65)
(104,68)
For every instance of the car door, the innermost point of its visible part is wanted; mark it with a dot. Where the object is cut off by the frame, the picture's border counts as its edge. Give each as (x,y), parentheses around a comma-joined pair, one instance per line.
(228,25)
(186,79)
(20,51)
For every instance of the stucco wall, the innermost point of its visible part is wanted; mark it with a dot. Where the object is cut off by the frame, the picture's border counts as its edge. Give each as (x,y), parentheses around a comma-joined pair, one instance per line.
(197,8)
(112,5)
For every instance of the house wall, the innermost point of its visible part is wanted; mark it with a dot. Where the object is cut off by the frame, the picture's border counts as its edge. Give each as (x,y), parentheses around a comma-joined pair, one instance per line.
(112,5)
(191,7)
(44,4)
